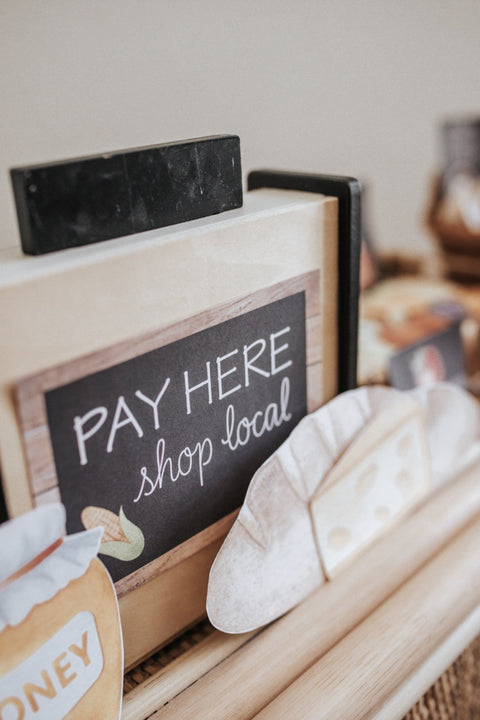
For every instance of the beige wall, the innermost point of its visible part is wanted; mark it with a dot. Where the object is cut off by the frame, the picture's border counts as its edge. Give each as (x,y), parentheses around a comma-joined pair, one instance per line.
(338,86)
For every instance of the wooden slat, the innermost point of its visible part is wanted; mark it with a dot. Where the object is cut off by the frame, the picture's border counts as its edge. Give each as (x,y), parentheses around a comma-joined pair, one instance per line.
(314,339)
(39,452)
(169,681)
(314,387)
(404,697)
(153,613)
(248,680)
(330,293)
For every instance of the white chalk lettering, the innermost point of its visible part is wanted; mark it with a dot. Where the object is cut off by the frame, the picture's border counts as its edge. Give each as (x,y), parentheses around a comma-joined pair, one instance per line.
(188,460)
(274,351)
(220,375)
(248,361)
(154,403)
(129,419)
(189,390)
(238,434)
(82,436)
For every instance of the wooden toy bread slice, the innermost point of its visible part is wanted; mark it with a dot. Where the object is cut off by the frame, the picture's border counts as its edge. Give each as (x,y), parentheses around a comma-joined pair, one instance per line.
(384,473)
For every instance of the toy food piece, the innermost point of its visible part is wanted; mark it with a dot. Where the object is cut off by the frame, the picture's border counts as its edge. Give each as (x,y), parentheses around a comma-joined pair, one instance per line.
(382,475)
(60,639)
(318,500)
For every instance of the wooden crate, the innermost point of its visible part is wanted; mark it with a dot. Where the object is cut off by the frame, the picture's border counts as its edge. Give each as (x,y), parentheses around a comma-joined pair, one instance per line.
(68,315)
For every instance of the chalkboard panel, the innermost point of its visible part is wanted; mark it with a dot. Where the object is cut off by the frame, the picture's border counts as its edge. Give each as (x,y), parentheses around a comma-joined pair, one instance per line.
(163,445)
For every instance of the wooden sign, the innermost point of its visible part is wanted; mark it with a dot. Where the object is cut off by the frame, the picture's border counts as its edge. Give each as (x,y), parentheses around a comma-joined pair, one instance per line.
(148,377)
(164,444)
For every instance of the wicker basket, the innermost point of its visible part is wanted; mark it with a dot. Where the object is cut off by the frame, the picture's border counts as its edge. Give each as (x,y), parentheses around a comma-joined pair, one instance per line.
(456,694)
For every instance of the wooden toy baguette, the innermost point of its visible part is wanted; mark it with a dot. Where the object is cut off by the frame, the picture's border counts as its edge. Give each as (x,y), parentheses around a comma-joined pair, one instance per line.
(345,474)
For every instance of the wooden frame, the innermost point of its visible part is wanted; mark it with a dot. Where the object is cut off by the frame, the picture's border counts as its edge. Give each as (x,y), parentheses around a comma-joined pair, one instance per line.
(39,296)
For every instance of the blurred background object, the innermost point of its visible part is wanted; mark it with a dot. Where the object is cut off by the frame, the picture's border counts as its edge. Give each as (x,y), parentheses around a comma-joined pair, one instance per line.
(453,214)
(420,317)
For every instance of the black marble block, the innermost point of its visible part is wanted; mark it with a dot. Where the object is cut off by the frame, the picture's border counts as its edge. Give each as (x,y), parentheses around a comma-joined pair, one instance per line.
(87,200)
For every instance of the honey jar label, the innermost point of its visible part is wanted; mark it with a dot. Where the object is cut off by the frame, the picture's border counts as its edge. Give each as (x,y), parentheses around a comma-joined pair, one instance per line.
(56,676)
